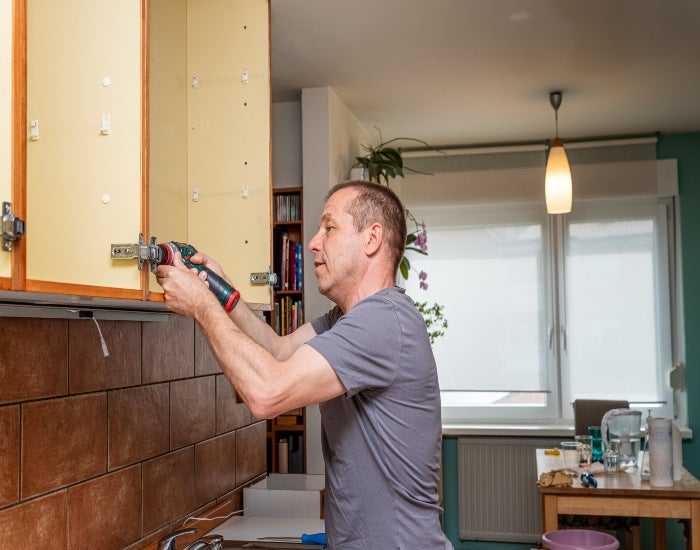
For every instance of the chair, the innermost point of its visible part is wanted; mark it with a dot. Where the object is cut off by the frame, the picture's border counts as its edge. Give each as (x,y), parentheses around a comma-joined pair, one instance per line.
(589,412)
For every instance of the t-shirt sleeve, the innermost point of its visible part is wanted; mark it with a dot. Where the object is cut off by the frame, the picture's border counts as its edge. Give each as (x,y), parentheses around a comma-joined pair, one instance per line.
(363,345)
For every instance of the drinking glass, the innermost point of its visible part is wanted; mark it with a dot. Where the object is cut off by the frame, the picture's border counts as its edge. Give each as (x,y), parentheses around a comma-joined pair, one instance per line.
(611,462)
(596,443)
(571,451)
(585,456)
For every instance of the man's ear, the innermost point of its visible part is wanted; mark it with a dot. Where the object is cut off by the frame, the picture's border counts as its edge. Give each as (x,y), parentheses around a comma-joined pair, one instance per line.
(375,236)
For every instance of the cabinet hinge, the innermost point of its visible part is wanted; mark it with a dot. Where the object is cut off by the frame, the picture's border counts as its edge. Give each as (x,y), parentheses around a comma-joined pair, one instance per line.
(12,227)
(262,277)
(141,252)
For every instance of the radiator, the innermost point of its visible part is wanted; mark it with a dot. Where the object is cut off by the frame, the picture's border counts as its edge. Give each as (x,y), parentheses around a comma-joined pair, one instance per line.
(498,498)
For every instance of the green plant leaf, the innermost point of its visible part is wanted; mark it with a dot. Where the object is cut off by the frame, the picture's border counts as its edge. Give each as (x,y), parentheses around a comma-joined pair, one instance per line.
(415,249)
(404,267)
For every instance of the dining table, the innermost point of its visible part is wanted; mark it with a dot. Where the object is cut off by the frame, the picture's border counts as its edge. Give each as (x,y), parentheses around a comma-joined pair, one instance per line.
(623,494)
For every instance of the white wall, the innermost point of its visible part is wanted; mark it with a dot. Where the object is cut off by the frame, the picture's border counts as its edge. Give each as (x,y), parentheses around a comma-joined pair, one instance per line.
(286,141)
(315,142)
(331,137)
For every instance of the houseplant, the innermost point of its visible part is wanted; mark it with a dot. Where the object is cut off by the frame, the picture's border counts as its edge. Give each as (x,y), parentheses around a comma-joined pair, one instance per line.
(381,163)
(434,318)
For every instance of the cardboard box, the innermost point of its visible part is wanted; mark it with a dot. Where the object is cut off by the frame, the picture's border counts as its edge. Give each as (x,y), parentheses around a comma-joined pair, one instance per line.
(286,496)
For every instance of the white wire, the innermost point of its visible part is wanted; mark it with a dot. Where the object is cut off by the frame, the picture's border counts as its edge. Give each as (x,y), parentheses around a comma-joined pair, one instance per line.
(192,518)
(105,351)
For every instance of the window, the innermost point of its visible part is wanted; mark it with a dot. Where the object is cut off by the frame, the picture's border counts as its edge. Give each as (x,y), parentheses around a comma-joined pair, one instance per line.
(544,309)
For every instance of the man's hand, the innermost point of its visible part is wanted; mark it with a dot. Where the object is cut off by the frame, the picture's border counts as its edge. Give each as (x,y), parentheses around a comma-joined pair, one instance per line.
(205,260)
(185,290)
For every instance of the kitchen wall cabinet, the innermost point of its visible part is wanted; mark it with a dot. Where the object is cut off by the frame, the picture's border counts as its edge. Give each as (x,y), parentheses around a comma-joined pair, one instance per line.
(141,117)
(5,122)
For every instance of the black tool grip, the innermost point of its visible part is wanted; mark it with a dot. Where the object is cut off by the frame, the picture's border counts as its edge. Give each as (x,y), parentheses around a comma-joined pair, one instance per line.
(227,295)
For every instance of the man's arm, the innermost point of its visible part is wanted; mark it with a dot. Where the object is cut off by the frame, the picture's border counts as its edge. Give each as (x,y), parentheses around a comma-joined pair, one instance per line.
(281,347)
(252,325)
(268,385)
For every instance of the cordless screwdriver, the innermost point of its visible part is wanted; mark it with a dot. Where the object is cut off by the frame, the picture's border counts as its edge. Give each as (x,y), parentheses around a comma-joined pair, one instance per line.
(227,295)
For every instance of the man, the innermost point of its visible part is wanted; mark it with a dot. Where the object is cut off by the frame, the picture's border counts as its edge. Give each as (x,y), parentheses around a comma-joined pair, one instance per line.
(368,362)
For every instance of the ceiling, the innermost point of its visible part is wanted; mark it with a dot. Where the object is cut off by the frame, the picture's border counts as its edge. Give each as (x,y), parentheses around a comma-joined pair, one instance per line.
(467,72)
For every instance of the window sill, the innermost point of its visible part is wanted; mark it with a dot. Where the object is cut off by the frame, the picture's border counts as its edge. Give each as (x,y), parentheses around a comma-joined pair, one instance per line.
(522,430)
(519,430)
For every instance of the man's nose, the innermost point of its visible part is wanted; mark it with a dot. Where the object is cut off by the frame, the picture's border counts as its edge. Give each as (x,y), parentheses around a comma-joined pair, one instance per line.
(314,243)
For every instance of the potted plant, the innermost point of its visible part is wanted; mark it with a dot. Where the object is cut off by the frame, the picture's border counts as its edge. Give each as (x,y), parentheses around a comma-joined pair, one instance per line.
(381,163)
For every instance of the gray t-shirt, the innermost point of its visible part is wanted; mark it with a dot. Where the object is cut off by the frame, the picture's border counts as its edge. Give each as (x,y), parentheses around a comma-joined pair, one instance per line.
(381,439)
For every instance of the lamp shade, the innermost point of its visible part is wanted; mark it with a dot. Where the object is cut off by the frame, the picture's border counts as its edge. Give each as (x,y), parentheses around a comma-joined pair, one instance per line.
(557,180)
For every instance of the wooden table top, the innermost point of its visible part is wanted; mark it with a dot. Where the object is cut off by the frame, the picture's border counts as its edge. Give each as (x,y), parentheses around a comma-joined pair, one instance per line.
(625,483)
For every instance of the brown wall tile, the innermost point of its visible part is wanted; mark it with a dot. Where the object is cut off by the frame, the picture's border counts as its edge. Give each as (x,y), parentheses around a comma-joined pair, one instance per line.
(215,467)
(49,440)
(40,523)
(251,459)
(63,441)
(89,369)
(192,411)
(168,349)
(34,359)
(9,454)
(168,488)
(138,424)
(106,512)
(231,413)
(204,360)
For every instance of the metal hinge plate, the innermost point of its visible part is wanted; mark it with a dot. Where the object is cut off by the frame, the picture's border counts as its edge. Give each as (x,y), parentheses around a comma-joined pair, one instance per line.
(12,227)
(141,251)
(261,278)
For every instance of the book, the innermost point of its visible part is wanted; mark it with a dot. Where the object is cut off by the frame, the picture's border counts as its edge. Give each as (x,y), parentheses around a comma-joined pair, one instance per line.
(299,278)
(292,266)
(284,260)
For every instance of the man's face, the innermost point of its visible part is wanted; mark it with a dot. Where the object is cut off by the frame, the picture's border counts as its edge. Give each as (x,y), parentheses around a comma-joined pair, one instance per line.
(337,248)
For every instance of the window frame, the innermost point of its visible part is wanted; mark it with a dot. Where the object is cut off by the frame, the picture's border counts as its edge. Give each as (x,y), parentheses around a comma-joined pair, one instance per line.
(558,409)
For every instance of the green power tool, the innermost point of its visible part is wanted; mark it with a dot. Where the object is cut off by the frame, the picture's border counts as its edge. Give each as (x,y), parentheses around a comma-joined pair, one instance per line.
(226,294)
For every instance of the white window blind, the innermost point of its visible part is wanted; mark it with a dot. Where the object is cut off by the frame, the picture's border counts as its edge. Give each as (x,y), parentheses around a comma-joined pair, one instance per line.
(543,310)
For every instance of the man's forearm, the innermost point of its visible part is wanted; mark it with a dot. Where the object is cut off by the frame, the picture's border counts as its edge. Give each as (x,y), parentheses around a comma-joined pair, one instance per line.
(280,347)
(255,328)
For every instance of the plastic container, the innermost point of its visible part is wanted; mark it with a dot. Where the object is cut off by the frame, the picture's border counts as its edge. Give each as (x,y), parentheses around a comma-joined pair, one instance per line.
(579,539)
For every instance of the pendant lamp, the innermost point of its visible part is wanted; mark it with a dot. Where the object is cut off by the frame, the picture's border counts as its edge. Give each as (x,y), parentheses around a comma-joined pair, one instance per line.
(557,178)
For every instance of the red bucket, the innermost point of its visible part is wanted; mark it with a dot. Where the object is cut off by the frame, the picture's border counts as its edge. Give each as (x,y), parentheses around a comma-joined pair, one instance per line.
(579,539)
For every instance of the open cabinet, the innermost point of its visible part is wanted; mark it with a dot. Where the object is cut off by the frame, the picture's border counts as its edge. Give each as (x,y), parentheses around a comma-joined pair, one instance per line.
(5,119)
(136,117)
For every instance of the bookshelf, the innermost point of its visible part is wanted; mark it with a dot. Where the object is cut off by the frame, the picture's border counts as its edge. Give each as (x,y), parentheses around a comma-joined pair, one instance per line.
(286,441)
(286,433)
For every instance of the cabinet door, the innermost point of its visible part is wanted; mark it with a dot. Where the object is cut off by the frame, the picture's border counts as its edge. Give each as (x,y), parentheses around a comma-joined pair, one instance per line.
(5,122)
(223,157)
(83,174)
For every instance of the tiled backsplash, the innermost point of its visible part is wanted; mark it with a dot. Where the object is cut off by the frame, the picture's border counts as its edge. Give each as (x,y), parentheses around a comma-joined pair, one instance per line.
(114,452)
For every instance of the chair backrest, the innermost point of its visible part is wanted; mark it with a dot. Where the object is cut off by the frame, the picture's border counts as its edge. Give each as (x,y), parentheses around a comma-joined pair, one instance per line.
(589,412)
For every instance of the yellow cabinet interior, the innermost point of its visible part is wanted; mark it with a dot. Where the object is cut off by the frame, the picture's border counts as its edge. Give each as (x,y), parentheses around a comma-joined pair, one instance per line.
(153,117)
(5,118)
